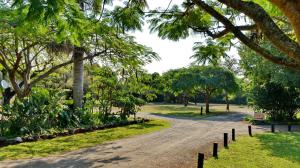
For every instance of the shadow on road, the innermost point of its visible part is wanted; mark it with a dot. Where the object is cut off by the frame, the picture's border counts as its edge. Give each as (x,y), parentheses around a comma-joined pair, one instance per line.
(79,159)
(214,116)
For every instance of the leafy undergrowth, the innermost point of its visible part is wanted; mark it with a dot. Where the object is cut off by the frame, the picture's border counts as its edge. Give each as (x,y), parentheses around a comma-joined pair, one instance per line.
(69,143)
(279,150)
(191,111)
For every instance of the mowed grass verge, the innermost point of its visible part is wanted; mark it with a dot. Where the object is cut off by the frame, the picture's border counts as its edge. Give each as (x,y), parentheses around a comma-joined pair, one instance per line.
(69,143)
(191,111)
(279,150)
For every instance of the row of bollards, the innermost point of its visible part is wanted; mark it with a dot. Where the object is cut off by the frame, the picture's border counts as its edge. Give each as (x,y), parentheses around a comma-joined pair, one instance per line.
(215,149)
(215,145)
(273,128)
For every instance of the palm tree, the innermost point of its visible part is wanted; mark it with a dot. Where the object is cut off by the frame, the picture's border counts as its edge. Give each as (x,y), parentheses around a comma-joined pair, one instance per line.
(119,16)
(78,74)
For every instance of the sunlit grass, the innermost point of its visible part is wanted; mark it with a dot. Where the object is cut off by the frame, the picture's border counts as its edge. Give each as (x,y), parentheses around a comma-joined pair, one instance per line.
(69,143)
(279,150)
(190,111)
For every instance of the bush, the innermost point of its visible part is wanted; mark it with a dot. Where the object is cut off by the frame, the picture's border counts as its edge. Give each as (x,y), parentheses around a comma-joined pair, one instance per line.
(36,114)
(280,103)
(129,105)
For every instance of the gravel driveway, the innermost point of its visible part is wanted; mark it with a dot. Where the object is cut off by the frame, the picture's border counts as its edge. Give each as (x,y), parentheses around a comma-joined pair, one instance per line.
(174,147)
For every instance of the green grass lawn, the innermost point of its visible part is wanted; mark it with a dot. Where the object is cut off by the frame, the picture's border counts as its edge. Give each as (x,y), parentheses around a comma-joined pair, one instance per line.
(190,111)
(279,150)
(69,143)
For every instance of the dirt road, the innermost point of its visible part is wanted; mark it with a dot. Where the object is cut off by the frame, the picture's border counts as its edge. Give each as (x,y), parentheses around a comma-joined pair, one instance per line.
(173,147)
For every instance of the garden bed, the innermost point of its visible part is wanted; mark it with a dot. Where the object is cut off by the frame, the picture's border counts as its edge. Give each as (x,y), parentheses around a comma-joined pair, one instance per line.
(17,140)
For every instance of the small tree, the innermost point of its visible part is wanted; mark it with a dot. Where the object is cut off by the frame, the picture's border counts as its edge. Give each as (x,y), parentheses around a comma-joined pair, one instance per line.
(206,79)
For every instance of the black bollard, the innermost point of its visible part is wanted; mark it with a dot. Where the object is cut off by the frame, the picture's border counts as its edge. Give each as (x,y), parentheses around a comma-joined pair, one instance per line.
(233,134)
(225,140)
(215,150)
(289,128)
(200,160)
(272,128)
(250,130)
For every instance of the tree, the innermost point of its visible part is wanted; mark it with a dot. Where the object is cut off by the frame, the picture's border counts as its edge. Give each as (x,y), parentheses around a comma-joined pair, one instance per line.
(207,79)
(90,16)
(175,87)
(52,42)
(209,53)
(219,19)
(126,18)
(272,89)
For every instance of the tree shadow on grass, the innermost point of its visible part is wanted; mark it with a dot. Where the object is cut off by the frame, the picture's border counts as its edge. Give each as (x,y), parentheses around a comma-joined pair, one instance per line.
(189,115)
(145,125)
(177,108)
(283,145)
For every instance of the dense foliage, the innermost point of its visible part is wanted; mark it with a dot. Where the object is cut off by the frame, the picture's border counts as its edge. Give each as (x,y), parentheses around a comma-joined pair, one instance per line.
(271,89)
(39,40)
(279,102)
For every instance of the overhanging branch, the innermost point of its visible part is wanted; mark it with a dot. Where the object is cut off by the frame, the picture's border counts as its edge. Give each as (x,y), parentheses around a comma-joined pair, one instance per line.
(267,26)
(237,32)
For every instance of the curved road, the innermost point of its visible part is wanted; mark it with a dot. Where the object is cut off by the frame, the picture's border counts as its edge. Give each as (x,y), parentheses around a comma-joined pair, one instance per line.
(174,147)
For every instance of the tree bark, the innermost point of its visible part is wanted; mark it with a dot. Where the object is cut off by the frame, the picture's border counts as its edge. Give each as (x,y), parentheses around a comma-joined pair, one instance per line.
(291,10)
(227,102)
(78,77)
(185,99)
(207,97)
(268,26)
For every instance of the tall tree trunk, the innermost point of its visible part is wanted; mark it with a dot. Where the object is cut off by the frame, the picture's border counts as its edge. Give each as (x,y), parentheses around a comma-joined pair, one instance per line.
(227,102)
(185,99)
(207,97)
(78,77)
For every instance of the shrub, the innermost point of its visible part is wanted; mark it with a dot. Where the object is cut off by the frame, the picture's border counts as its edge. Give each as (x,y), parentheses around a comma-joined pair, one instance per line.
(280,103)
(37,113)
(129,105)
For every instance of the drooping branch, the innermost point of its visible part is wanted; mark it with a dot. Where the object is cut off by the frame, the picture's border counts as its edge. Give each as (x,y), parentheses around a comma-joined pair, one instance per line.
(243,38)
(267,26)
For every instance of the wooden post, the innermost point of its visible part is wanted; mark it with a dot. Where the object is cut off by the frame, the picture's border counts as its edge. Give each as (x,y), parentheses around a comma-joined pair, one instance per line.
(201,110)
(225,140)
(233,134)
(200,160)
(289,127)
(250,130)
(215,150)
(272,128)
